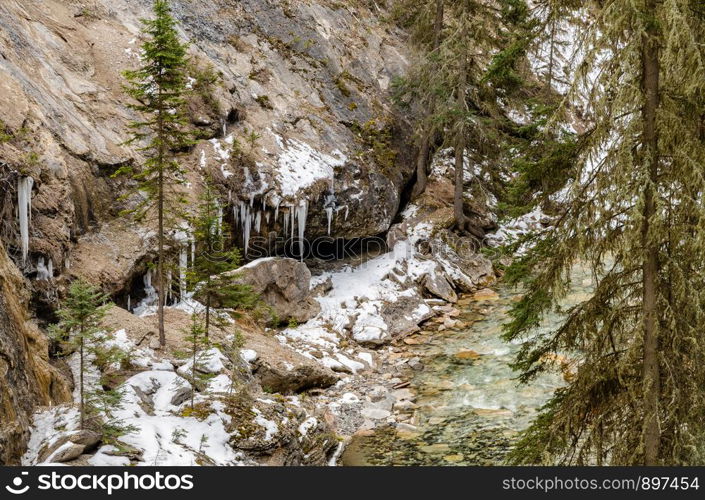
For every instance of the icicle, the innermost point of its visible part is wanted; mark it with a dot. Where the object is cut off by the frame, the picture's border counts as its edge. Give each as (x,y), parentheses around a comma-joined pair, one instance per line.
(24,203)
(276,211)
(42,271)
(129,299)
(236,209)
(266,217)
(183,265)
(193,251)
(329,216)
(50,268)
(246,222)
(329,206)
(168,286)
(292,214)
(230,195)
(302,214)
(150,294)
(225,128)
(258,221)
(252,200)
(286,222)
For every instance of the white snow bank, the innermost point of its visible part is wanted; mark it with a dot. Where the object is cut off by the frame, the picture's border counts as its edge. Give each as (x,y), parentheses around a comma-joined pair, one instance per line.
(165,437)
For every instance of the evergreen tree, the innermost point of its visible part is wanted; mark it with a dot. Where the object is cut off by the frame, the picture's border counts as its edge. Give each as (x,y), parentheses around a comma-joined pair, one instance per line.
(198,343)
(472,63)
(159,89)
(425,20)
(78,329)
(634,215)
(208,275)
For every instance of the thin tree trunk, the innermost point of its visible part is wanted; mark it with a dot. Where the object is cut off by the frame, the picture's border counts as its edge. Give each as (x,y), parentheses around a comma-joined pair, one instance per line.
(651,370)
(160,257)
(193,370)
(208,306)
(80,376)
(422,160)
(421,166)
(551,56)
(458,210)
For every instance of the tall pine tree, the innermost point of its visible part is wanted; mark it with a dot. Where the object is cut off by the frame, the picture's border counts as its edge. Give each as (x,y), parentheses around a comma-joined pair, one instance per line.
(159,89)
(634,215)
(79,328)
(209,274)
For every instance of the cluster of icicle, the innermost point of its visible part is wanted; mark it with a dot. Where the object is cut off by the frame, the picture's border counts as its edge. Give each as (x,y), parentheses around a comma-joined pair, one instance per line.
(293,218)
(45,268)
(187,245)
(24,213)
(294,215)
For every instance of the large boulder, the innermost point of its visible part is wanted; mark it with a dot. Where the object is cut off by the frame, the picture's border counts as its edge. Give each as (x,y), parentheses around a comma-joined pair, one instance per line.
(278,431)
(280,368)
(69,445)
(461,261)
(282,283)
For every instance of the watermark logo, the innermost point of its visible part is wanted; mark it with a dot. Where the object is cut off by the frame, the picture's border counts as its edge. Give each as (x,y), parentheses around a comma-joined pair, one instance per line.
(17,488)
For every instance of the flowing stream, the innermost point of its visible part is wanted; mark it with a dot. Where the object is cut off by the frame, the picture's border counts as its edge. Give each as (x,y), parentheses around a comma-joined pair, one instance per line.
(470,407)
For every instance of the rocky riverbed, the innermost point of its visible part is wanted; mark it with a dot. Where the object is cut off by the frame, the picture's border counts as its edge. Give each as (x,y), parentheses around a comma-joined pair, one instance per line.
(461,404)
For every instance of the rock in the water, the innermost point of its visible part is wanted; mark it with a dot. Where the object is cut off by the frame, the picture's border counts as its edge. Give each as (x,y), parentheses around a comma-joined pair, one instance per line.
(437,284)
(468,270)
(467,355)
(284,284)
(485,294)
(404,395)
(415,364)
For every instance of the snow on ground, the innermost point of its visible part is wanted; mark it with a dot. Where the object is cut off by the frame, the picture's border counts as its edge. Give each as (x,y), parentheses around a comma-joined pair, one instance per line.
(105,457)
(208,361)
(163,433)
(142,357)
(355,304)
(49,425)
(154,403)
(512,230)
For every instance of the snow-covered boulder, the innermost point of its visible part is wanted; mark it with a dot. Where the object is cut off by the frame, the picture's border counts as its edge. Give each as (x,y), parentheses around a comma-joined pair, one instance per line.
(69,445)
(282,283)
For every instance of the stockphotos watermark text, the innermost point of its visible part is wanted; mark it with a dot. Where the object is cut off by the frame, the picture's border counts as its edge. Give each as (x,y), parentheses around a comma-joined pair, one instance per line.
(107,483)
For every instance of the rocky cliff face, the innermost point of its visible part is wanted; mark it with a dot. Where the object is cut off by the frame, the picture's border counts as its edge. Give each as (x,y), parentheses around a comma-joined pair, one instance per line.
(27,377)
(296,130)
(310,79)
